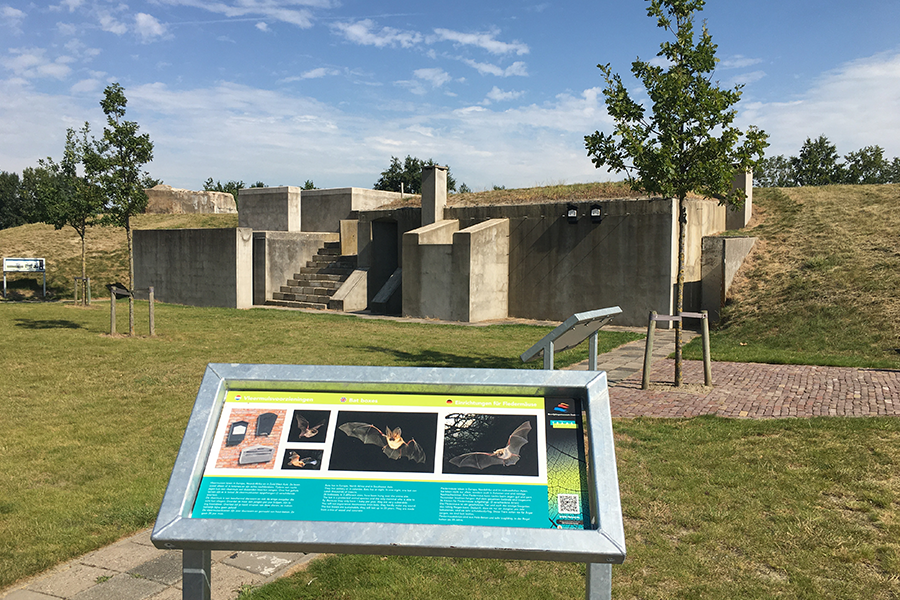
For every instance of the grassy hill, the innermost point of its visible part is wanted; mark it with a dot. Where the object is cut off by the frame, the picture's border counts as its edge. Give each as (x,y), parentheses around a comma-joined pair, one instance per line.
(822,286)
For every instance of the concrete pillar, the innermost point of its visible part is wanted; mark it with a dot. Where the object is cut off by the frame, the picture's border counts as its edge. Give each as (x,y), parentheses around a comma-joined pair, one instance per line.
(434,194)
(738,219)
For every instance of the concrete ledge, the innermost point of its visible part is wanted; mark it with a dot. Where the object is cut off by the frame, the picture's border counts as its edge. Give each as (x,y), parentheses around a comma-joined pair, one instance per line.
(722,257)
(352,295)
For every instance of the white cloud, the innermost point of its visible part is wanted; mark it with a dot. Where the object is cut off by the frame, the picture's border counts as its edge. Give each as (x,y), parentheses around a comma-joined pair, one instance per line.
(112,25)
(485,41)
(364,33)
(498,95)
(855,105)
(87,86)
(31,63)
(262,26)
(436,77)
(317,73)
(294,12)
(517,69)
(738,62)
(12,17)
(148,27)
(71,5)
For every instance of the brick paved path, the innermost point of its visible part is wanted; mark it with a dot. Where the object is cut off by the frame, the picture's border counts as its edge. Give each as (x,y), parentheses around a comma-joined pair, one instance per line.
(759,391)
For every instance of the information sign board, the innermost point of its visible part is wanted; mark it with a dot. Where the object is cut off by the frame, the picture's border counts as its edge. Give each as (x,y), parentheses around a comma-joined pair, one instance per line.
(452,462)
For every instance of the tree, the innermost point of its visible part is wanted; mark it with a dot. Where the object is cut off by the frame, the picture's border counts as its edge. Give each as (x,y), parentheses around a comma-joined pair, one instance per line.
(775,171)
(309,185)
(817,163)
(408,174)
(687,143)
(9,200)
(866,165)
(115,163)
(72,200)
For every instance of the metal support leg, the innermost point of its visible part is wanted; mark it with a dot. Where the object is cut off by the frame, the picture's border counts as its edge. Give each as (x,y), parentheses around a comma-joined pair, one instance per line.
(196,569)
(648,351)
(548,357)
(592,352)
(599,581)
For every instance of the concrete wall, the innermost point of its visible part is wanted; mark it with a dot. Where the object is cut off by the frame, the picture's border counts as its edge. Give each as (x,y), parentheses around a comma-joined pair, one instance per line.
(481,272)
(705,217)
(164,199)
(722,257)
(198,267)
(380,242)
(428,282)
(557,269)
(277,255)
(323,210)
(458,275)
(270,209)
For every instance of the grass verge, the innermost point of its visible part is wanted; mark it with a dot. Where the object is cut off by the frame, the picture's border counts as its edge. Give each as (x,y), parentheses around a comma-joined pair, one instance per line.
(821,288)
(93,422)
(713,508)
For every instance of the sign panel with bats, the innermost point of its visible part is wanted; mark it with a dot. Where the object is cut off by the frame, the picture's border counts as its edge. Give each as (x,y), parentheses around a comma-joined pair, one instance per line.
(397,461)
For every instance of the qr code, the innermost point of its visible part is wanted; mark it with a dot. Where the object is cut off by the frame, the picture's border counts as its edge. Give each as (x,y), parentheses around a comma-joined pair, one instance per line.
(568,504)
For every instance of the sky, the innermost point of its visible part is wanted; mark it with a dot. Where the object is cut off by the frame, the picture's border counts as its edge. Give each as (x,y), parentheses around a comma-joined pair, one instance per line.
(285,91)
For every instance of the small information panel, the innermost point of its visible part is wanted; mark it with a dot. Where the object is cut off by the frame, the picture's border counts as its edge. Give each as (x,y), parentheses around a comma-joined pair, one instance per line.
(418,461)
(438,459)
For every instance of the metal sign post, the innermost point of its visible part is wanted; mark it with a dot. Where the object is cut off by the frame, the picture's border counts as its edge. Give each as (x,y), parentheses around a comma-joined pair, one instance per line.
(345,477)
(570,333)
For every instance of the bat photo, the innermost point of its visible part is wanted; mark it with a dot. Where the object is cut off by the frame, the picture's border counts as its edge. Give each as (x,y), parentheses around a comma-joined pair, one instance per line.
(295,461)
(303,428)
(391,443)
(506,456)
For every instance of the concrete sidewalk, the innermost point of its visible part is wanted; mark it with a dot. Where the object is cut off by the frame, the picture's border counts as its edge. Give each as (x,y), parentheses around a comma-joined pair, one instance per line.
(133,569)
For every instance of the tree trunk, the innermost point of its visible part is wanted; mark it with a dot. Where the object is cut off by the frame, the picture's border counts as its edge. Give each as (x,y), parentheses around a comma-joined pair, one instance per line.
(679,289)
(130,277)
(83,271)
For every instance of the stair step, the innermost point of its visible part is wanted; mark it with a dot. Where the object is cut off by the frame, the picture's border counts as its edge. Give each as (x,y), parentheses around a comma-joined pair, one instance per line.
(301,297)
(317,274)
(316,283)
(308,291)
(291,304)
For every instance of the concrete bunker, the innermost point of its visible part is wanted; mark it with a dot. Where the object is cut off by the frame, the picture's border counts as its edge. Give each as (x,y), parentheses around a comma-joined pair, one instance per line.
(352,249)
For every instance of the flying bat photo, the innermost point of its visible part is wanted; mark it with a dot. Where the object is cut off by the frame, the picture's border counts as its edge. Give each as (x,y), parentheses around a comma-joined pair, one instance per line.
(406,442)
(309,426)
(299,458)
(490,444)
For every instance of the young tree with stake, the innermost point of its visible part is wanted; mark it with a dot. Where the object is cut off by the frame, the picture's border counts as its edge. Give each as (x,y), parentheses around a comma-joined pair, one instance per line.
(115,163)
(686,143)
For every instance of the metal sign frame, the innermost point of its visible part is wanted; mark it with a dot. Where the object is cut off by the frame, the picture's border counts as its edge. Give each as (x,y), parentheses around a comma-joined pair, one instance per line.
(570,333)
(175,528)
(25,265)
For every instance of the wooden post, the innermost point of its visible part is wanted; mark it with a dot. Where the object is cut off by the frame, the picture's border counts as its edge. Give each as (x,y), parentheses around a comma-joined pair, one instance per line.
(112,312)
(648,350)
(76,289)
(152,324)
(88,282)
(707,359)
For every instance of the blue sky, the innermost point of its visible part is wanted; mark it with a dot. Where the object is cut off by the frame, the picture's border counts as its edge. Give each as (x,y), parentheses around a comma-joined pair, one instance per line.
(288,90)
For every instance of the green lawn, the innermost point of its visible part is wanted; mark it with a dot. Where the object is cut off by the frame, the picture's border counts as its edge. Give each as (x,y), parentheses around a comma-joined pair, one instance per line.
(93,422)
(713,508)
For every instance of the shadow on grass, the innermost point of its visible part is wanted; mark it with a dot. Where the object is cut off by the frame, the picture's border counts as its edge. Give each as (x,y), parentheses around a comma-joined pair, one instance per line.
(48,324)
(436,358)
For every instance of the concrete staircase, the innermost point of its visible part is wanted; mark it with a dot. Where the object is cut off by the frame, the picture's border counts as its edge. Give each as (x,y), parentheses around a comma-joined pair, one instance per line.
(317,282)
